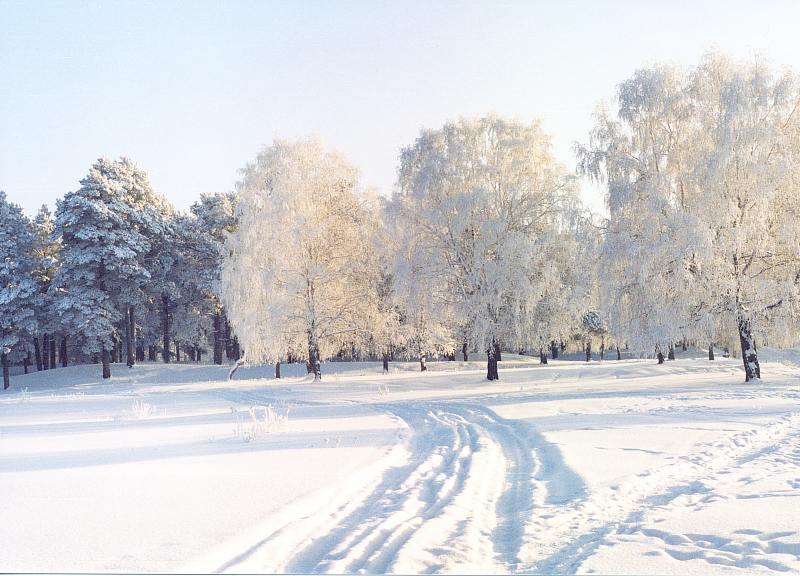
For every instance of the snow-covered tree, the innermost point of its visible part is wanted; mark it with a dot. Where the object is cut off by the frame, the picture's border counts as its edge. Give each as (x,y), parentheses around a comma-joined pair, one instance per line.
(46,255)
(215,219)
(481,205)
(747,172)
(17,285)
(298,273)
(701,168)
(104,228)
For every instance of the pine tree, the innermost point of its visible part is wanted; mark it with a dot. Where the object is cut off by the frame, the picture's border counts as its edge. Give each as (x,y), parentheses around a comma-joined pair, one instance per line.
(104,233)
(18,291)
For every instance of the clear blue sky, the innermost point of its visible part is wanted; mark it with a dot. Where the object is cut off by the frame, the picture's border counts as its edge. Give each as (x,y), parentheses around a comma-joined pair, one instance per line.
(192,89)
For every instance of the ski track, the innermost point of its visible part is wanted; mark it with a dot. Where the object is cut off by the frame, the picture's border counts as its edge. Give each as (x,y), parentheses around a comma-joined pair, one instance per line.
(480,494)
(573,533)
(459,503)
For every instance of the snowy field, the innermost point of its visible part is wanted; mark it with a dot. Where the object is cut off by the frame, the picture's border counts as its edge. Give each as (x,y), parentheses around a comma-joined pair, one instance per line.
(614,468)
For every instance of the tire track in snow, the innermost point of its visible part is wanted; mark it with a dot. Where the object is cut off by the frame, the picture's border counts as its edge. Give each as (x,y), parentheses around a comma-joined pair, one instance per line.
(458,504)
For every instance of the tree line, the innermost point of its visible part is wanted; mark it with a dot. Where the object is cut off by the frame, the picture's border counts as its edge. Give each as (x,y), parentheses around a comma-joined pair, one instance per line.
(483,246)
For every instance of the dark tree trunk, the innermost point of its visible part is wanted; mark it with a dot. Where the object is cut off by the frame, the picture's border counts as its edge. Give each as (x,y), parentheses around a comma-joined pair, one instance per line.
(659,355)
(26,361)
(752,369)
(671,352)
(114,347)
(542,356)
(497,353)
(152,353)
(465,351)
(619,354)
(313,357)
(422,366)
(130,330)
(166,326)
(602,347)
(228,340)
(6,372)
(588,350)
(177,352)
(38,353)
(237,352)
(278,370)
(218,337)
(46,352)
(554,350)
(139,353)
(52,352)
(199,355)
(491,363)
(711,351)
(106,359)
(385,363)
(683,344)
(63,352)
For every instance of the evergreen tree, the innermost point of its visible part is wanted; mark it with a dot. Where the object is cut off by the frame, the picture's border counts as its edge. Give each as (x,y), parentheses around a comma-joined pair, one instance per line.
(18,291)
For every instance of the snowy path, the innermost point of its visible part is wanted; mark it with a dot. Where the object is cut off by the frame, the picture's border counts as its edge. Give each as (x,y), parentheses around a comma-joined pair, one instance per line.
(458,504)
(480,494)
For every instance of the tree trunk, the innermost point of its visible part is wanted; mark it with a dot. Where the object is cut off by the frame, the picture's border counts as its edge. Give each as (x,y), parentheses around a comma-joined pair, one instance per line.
(218,344)
(422,366)
(671,352)
(659,355)
(165,326)
(752,369)
(45,352)
(26,361)
(313,356)
(38,353)
(278,370)
(152,353)
(6,372)
(602,346)
(385,363)
(464,350)
(683,344)
(497,353)
(619,354)
(711,351)
(52,352)
(130,330)
(63,352)
(554,350)
(542,356)
(106,359)
(177,352)
(588,350)
(237,352)
(114,357)
(199,355)
(228,339)
(491,362)
(139,352)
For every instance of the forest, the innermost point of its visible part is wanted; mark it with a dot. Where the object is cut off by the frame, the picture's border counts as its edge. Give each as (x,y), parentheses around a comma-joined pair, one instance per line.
(482,247)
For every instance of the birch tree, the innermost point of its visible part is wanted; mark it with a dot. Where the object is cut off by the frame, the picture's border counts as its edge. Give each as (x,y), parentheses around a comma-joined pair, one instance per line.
(298,274)
(481,203)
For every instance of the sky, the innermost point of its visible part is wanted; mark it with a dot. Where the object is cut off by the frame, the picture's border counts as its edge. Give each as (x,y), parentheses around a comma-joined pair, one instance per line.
(191,90)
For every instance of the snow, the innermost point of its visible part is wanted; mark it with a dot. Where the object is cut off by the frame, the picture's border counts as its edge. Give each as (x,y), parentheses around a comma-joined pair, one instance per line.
(615,467)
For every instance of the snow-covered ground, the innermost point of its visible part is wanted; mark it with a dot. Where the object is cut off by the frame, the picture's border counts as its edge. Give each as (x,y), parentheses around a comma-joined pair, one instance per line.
(613,467)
